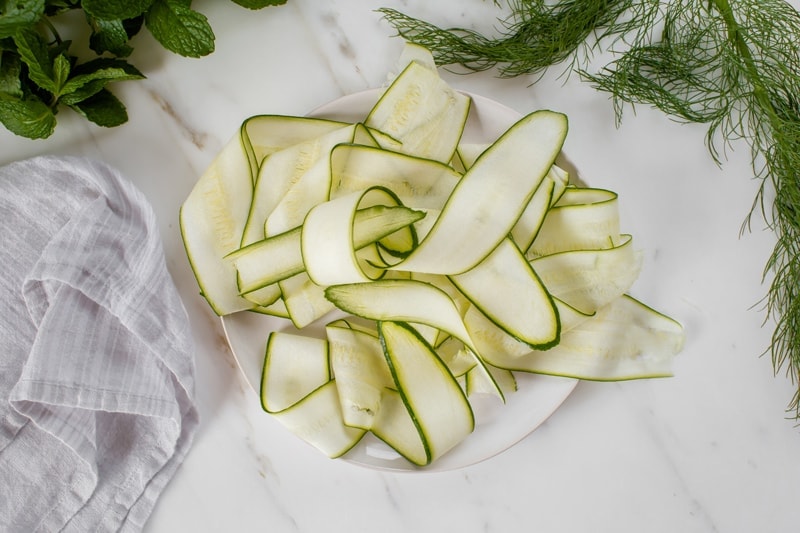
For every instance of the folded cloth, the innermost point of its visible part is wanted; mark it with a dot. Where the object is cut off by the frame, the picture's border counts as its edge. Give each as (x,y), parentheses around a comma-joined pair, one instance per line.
(96,362)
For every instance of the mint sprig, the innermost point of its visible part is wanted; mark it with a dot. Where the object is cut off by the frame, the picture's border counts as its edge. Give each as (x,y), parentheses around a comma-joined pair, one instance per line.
(179,28)
(40,74)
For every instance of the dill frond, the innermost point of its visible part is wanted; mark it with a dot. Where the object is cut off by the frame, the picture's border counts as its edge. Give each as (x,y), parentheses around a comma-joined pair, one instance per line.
(733,65)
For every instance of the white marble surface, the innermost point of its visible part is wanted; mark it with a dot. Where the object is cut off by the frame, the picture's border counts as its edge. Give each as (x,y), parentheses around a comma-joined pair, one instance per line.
(706,451)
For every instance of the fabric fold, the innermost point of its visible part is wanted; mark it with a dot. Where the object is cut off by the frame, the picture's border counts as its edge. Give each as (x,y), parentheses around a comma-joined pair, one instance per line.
(97,395)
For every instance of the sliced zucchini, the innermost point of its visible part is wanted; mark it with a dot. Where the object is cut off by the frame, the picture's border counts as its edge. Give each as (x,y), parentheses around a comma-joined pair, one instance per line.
(312,188)
(468,153)
(491,339)
(294,367)
(422,112)
(361,372)
(582,219)
(298,390)
(417,53)
(417,182)
(405,300)
(439,408)
(276,309)
(530,222)
(590,279)
(212,219)
(264,297)
(262,135)
(214,215)
(280,256)
(395,426)
(476,382)
(527,226)
(507,290)
(482,214)
(458,358)
(459,263)
(317,419)
(268,261)
(400,300)
(281,170)
(624,340)
(305,300)
(329,242)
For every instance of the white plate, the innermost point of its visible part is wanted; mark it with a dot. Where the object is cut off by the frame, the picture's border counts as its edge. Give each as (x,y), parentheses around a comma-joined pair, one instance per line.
(498,426)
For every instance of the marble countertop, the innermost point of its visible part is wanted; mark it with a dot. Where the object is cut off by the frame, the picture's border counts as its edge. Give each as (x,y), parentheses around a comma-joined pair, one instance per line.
(709,450)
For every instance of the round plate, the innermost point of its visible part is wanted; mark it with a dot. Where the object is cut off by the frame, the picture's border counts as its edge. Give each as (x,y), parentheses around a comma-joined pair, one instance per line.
(498,426)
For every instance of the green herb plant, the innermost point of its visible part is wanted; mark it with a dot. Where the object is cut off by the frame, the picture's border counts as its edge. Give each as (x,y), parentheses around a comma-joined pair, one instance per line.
(39,72)
(733,65)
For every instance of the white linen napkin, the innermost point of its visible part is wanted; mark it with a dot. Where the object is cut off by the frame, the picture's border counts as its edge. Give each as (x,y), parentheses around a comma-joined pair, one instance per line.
(96,362)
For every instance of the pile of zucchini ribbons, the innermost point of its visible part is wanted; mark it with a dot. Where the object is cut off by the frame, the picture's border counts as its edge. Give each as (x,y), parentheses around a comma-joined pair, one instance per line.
(438,267)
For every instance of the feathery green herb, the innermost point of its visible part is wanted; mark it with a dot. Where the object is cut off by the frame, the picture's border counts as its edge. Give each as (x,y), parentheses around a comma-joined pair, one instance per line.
(39,73)
(733,65)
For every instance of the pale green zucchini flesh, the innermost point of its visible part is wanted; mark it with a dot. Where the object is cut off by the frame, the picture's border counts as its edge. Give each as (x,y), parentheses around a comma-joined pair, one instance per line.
(490,198)
(422,112)
(362,374)
(298,390)
(624,340)
(280,256)
(212,219)
(437,404)
(507,290)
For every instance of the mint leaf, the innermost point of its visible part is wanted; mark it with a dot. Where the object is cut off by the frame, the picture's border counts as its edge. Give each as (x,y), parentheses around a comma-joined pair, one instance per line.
(104,109)
(16,14)
(116,9)
(27,117)
(109,36)
(134,25)
(10,72)
(258,4)
(179,28)
(33,52)
(61,68)
(127,71)
(91,77)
